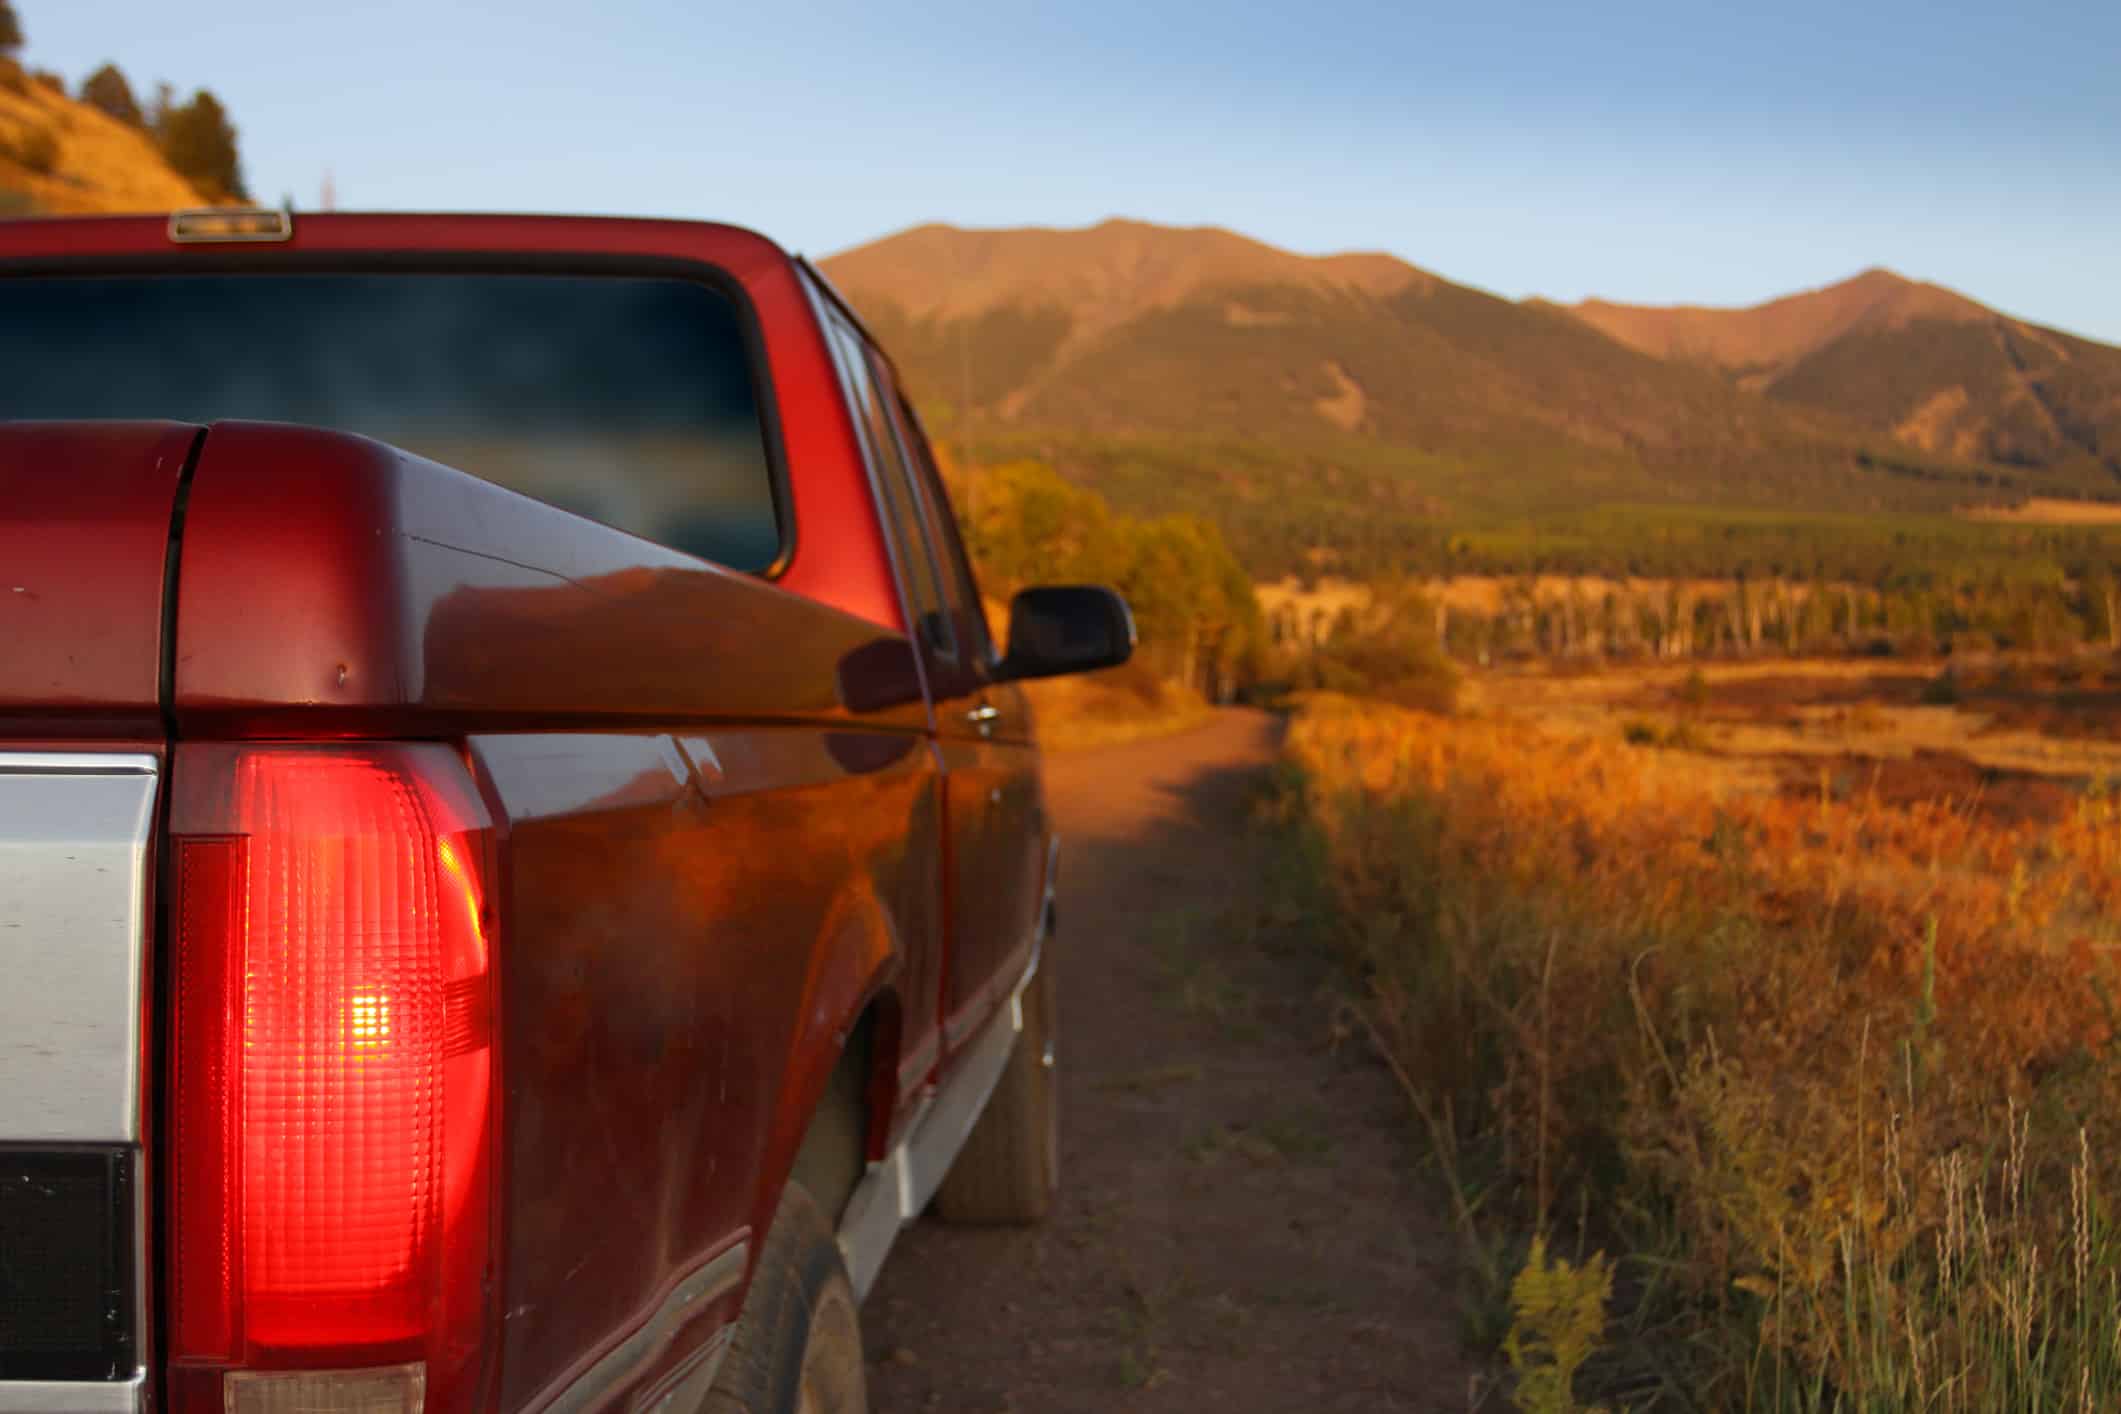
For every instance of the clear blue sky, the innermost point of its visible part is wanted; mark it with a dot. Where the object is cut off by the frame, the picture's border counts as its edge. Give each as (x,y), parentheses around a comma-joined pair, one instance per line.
(1666,152)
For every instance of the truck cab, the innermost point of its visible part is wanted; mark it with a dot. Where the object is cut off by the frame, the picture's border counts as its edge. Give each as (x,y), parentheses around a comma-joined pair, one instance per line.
(521,863)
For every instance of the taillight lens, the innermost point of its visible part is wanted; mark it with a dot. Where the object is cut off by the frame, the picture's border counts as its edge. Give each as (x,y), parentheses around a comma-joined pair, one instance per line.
(333,1067)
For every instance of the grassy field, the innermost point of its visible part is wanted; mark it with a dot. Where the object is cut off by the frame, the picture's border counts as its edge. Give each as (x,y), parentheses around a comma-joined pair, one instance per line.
(2049,510)
(1789,986)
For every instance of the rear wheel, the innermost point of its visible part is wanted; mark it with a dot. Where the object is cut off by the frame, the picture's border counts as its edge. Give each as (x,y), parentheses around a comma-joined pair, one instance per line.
(1009,1169)
(798,1344)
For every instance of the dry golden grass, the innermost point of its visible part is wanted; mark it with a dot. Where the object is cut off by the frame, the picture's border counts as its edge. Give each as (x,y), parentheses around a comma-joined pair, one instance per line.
(1840,1069)
(2049,510)
(1732,746)
(102,165)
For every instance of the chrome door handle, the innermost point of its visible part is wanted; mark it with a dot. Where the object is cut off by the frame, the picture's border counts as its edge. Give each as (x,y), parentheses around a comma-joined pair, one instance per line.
(984,717)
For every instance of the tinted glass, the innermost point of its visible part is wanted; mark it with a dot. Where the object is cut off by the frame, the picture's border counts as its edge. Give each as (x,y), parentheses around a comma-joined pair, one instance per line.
(917,562)
(898,460)
(966,605)
(625,399)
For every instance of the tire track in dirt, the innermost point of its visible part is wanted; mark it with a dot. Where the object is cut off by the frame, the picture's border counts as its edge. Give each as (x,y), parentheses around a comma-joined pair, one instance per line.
(1239,1228)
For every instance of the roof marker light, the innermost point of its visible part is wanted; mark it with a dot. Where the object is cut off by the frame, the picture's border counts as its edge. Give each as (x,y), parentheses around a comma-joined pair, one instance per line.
(215,224)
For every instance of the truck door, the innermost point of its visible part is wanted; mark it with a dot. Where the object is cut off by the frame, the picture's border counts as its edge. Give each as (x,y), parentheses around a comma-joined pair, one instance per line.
(995,812)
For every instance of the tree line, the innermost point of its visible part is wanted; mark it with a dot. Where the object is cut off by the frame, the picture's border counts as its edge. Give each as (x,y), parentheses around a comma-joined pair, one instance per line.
(1195,609)
(196,137)
(1736,618)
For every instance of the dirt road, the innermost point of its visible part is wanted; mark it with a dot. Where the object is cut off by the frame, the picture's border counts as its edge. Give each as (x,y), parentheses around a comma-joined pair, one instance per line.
(1239,1230)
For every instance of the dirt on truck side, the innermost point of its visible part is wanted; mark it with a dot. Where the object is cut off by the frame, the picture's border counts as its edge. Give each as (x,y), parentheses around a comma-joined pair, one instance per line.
(1241,1227)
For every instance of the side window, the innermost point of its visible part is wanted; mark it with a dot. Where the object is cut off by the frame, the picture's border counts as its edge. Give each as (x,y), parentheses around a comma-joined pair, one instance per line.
(928,507)
(887,461)
(959,584)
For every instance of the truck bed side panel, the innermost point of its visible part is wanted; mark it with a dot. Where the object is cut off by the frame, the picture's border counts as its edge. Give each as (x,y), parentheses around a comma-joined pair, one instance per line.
(681,915)
(333,582)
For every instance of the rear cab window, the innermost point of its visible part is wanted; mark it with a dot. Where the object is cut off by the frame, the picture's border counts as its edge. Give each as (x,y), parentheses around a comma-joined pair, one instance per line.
(635,400)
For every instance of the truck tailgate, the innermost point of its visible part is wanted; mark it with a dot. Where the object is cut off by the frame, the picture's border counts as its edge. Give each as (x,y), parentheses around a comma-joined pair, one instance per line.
(85,520)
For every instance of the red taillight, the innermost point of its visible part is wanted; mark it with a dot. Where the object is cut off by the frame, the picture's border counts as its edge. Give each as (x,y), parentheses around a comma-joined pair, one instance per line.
(333,1052)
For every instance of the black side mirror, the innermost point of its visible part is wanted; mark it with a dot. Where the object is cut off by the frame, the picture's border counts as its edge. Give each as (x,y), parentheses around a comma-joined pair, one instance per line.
(1066,628)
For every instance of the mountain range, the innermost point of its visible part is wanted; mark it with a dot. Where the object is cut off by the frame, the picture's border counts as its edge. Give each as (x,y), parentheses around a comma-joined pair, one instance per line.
(1174,367)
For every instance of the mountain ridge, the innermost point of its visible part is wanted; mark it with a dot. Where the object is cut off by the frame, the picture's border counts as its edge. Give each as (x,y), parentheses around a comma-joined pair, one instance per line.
(1781,329)
(1931,367)
(1101,275)
(1401,393)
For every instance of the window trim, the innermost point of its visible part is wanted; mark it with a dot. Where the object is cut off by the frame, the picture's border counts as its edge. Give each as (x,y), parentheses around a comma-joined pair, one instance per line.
(984,654)
(884,380)
(276,261)
(845,339)
(930,477)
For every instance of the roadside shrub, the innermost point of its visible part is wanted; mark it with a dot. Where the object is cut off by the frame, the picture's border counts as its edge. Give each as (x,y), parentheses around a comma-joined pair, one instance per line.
(51,82)
(12,78)
(1942,690)
(1388,651)
(1138,680)
(1557,1317)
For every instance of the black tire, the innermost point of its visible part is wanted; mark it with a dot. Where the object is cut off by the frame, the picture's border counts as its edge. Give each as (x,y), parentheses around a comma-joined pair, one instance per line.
(829,1165)
(798,1343)
(1009,1169)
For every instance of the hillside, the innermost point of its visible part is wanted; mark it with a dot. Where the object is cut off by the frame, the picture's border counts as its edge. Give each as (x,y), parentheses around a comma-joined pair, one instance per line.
(59,157)
(1355,402)
(1923,364)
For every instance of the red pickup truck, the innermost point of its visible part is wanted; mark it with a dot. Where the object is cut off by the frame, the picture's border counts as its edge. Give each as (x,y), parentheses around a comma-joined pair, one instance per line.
(520,866)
